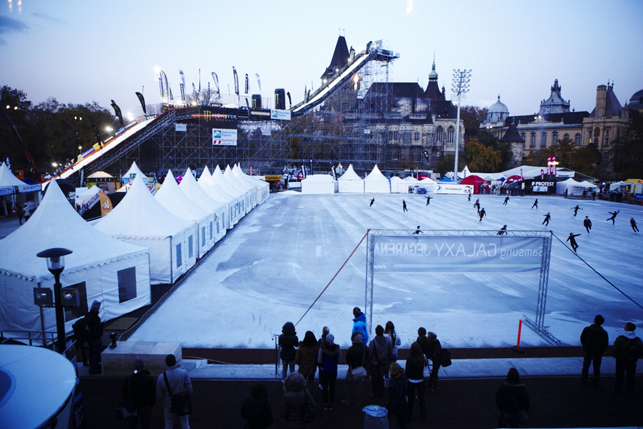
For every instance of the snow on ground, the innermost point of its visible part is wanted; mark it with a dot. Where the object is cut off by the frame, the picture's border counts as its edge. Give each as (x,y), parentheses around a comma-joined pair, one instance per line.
(278,259)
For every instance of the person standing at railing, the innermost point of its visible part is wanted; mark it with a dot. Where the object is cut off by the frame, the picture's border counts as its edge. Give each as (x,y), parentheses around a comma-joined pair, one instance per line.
(94,338)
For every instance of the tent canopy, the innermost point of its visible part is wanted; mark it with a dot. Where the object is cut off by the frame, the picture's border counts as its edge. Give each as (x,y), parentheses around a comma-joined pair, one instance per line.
(350,181)
(376,182)
(134,171)
(8,182)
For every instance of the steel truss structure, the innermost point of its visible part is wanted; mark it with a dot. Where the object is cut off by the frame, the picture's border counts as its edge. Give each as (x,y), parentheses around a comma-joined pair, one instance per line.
(538,326)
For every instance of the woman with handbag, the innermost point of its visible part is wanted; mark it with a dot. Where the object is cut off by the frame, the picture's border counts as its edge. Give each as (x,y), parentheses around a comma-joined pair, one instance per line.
(298,406)
(415,375)
(389,332)
(306,357)
(329,356)
(512,400)
(356,359)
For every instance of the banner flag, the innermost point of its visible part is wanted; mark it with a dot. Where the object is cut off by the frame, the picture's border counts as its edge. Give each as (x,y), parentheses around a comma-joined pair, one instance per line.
(216,81)
(118,112)
(289,100)
(182,85)
(258,82)
(247,87)
(194,93)
(142,100)
(466,254)
(163,84)
(171,96)
(236,81)
(105,204)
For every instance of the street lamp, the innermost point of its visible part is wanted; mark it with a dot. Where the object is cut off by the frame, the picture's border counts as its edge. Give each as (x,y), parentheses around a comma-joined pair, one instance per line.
(56,265)
(459,87)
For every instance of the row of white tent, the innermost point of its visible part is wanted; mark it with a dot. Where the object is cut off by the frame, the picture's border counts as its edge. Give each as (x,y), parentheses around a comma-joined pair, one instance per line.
(375,183)
(144,240)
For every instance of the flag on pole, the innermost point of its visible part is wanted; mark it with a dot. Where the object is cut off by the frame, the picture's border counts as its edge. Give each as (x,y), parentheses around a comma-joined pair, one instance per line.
(236,81)
(216,81)
(142,100)
(118,112)
(247,84)
(258,82)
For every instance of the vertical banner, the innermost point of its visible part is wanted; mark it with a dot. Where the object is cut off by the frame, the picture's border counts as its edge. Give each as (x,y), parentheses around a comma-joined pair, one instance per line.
(215,78)
(236,81)
(258,82)
(118,112)
(247,87)
(182,85)
(142,100)
(164,85)
(105,204)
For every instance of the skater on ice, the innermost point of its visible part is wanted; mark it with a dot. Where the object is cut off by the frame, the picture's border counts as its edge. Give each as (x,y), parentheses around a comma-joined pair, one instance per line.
(469,196)
(404,206)
(503,230)
(372,201)
(633,224)
(572,241)
(535,204)
(417,231)
(506,200)
(482,214)
(428,200)
(547,218)
(613,216)
(476,205)
(587,224)
(576,209)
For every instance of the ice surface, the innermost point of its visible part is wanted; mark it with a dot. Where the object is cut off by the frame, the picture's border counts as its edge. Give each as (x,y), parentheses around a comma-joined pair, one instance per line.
(271,267)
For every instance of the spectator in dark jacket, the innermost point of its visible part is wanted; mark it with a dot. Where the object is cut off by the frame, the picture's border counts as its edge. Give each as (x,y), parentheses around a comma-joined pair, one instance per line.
(329,356)
(288,341)
(397,401)
(140,387)
(435,351)
(415,379)
(293,407)
(595,341)
(511,399)
(356,357)
(256,407)
(306,357)
(94,338)
(627,350)
(380,352)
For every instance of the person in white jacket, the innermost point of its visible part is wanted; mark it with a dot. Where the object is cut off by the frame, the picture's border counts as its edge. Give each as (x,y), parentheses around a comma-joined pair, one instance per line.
(179,382)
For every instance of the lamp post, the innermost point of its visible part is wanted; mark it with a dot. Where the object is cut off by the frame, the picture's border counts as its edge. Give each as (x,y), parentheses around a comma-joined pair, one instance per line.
(56,265)
(459,87)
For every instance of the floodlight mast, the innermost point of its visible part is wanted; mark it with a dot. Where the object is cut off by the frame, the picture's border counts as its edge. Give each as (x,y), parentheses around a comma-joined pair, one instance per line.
(460,86)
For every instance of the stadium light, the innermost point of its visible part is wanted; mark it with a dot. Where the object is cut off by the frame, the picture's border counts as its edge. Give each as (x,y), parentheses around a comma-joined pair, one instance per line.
(459,87)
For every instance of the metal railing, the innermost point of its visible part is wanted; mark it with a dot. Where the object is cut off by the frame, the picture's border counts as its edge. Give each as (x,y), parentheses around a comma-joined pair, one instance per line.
(46,339)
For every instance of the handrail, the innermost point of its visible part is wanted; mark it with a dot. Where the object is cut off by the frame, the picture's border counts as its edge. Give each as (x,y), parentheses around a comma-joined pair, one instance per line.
(32,336)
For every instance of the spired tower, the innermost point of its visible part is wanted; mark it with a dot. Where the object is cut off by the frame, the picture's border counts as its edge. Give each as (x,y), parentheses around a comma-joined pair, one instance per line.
(555,102)
(432,91)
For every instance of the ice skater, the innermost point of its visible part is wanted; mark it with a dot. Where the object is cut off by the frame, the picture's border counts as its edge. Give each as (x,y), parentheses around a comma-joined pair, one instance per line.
(503,230)
(613,216)
(372,201)
(469,197)
(428,200)
(418,231)
(404,206)
(476,205)
(547,218)
(587,224)
(633,224)
(572,241)
(482,214)
(506,200)
(576,209)
(535,204)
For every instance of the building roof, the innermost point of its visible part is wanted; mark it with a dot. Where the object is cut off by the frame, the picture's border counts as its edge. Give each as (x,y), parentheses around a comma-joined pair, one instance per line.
(432,91)
(612,105)
(568,118)
(555,103)
(340,57)
(512,135)
(636,100)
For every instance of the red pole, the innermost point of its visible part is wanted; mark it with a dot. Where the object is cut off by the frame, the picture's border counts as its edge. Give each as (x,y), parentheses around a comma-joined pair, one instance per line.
(519,330)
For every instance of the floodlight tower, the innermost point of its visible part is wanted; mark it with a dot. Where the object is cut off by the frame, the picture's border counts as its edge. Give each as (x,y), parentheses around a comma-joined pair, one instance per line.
(459,87)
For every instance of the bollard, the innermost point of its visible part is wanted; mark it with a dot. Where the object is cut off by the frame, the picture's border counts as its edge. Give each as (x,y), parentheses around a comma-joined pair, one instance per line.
(517,348)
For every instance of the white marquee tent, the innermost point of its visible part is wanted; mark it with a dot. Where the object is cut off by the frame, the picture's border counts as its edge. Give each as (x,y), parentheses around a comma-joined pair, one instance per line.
(375,182)
(350,181)
(100,267)
(140,219)
(572,187)
(249,191)
(263,188)
(177,203)
(220,180)
(318,184)
(395,181)
(200,197)
(9,182)
(217,193)
(133,172)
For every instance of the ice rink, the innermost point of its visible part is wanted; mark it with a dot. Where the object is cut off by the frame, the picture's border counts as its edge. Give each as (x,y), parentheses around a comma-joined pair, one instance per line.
(270,268)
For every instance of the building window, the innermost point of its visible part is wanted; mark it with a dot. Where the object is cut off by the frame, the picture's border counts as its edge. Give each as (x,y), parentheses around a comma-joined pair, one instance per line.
(390,135)
(179,262)
(554,138)
(577,139)
(72,313)
(190,247)
(416,136)
(524,140)
(606,158)
(532,140)
(202,236)
(451,135)
(566,136)
(439,135)
(543,139)
(606,138)
(211,230)
(590,134)
(126,284)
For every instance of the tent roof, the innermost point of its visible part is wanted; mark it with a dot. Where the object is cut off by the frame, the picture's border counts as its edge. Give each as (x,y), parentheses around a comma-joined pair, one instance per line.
(472,179)
(196,193)
(396,179)
(56,224)
(411,179)
(102,175)
(234,180)
(325,178)
(7,178)
(588,184)
(217,189)
(140,215)
(349,174)
(134,170)
(177,203)
(376,175)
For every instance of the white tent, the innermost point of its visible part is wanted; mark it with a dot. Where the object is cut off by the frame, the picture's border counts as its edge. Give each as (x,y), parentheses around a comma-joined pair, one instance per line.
(177,203)
(232,189)
(133,172)
(85,195)
(100,267)
(9,182)
(200,197)
(375,182)
(588,185)
(140,219)
(263,188)
(217,193)
(428,184)
(572,187)
(249,191)
(318,184)
(395,181)
(350,181)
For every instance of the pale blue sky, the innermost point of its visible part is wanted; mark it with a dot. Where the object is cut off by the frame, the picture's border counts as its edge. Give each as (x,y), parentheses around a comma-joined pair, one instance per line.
(83,51)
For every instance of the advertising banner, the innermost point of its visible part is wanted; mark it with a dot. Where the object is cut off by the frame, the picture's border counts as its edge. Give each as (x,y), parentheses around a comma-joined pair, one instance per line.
(224,137)
(283,115)
(465,254)
(446,188)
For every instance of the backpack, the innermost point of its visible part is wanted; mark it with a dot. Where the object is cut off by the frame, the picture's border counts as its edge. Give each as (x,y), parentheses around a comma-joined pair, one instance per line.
(445,358)
(330,365)
(631,350)
(80,329)
(593,340)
